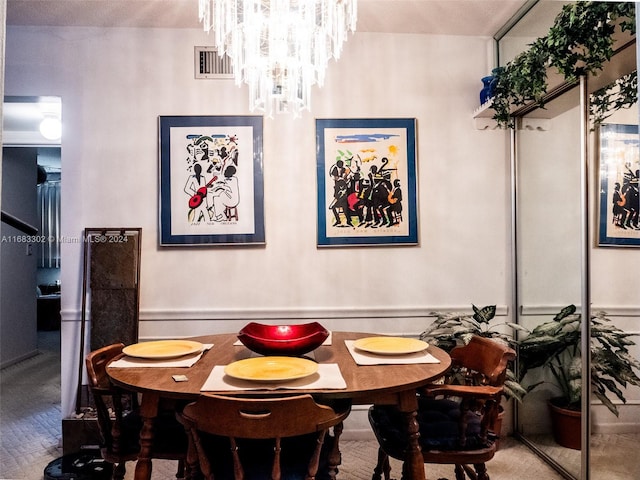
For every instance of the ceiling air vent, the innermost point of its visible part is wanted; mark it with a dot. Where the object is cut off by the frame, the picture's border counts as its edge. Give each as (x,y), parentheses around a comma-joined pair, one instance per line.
(209,65)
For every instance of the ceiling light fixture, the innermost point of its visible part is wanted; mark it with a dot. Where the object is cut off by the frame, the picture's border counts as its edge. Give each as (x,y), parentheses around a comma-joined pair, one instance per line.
(51,128)
(279,48)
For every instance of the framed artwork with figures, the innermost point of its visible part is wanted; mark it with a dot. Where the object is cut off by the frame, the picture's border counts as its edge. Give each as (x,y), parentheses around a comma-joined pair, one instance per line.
(366,170)
(211,180)
(619,222)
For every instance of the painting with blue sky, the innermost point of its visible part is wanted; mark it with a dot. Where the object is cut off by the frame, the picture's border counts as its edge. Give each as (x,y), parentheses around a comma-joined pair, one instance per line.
(366,172)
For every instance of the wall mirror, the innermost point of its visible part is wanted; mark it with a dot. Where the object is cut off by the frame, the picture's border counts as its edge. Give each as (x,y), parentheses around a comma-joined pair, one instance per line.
(558,259)
(548,254)
(533,21)
(550,274)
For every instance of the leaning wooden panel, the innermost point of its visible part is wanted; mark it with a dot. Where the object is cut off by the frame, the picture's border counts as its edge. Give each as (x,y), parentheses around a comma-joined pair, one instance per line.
(110,290)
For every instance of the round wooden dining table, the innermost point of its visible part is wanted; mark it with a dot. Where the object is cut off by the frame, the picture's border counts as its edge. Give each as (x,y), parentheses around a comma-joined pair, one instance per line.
(391,384)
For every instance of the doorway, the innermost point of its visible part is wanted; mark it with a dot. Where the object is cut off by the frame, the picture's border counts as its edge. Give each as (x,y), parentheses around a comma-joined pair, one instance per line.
(31,178)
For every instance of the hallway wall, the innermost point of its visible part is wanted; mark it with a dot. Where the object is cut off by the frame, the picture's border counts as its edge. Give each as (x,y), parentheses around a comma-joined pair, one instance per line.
(18,335)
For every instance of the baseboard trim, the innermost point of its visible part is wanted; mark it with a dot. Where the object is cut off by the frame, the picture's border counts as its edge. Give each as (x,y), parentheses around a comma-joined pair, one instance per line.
(20,358)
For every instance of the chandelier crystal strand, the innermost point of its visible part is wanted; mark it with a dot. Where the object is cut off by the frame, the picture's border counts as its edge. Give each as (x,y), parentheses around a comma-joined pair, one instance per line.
(279,48)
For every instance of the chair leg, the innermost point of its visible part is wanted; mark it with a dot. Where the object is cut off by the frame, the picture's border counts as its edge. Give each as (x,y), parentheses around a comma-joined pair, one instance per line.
(470,472)
(459,469)
(180,473)
(119,471)
(382,467)
(192,463)
(481,470)
(335,456)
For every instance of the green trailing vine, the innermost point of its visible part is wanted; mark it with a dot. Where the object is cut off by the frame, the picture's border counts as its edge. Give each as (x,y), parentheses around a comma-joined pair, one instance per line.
(621,94)
(580,42)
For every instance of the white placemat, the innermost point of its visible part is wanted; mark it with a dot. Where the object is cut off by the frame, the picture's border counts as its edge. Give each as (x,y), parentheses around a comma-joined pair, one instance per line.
(326,342)
(365,358)
(327,376)
(131,362)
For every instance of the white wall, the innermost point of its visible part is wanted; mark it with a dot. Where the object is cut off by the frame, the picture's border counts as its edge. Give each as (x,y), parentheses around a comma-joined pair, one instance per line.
(18,335)
(114,83)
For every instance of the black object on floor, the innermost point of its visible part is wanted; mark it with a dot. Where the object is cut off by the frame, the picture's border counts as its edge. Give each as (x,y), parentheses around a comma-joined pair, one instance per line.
(79,466)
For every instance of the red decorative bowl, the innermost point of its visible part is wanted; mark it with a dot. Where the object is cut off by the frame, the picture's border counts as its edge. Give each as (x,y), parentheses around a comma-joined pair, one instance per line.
(291,340)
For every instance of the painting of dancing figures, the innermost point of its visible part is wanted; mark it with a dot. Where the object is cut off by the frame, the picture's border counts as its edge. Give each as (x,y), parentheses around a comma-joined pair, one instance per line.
(211,180)
(619,174)
(212,184)
(366,182)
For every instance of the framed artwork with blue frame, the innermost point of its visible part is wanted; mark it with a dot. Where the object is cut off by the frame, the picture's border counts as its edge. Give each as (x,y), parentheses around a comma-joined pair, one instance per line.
(366,170)
(211,180)
(619,224)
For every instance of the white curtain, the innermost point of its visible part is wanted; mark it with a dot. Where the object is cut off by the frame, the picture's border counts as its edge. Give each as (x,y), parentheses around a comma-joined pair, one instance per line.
(49,212)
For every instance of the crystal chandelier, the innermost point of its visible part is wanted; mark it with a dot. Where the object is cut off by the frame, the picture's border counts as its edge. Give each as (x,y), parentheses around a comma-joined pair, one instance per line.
(279,48)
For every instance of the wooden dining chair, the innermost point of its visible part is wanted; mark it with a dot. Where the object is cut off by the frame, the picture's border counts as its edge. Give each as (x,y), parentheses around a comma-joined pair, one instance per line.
(456,421)
(119,420)
(281,438)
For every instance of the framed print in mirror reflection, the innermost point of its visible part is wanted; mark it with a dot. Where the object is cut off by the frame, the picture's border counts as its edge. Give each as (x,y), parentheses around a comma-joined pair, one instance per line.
(366,171)
(211,180)
(619,222)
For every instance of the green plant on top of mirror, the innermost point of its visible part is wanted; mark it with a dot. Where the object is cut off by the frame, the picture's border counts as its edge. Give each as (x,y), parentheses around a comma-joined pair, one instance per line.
(522,81)
(579,42)
(555,346)
(621,94)
(449,330)
(581,39)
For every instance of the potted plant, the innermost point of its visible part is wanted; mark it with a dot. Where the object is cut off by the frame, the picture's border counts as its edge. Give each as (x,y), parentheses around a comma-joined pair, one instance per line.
(452,329)
(556,346)
(580,41)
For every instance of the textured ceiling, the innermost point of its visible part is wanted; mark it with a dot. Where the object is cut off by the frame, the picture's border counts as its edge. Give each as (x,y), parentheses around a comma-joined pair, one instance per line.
(454,17)
(447,17)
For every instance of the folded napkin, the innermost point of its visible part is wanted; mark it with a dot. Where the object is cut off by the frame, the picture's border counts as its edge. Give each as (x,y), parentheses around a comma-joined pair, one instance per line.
(186,361)
(366,358)
(326,342)
(327,376)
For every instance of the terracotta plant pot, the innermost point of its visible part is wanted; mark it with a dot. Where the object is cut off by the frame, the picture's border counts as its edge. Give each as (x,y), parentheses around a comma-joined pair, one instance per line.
(566,424)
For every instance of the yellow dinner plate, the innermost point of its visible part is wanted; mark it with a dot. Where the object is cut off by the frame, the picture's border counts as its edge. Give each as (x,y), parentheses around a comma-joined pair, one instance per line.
(271,368)
(161,349)
(390,345)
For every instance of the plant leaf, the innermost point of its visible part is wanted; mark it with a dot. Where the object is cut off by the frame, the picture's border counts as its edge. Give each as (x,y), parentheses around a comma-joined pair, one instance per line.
(484,314)
(565,312)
